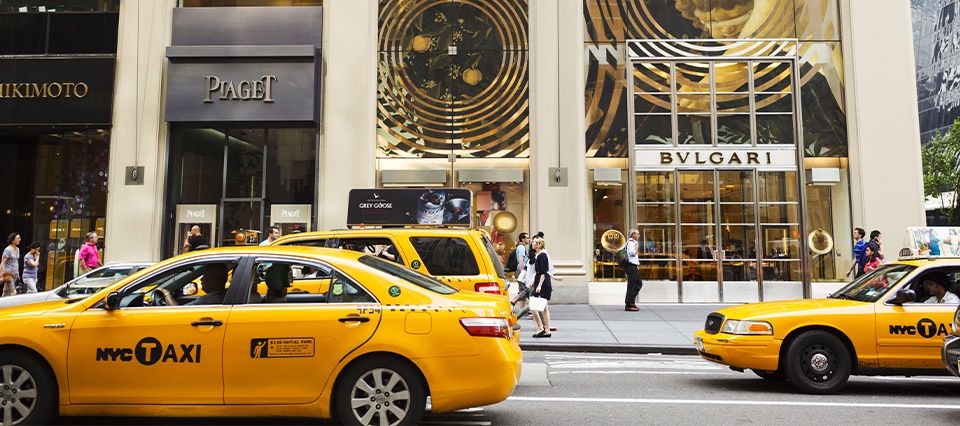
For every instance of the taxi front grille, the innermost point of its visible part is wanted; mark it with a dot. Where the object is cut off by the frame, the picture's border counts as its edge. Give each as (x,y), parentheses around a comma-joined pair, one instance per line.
(713,324)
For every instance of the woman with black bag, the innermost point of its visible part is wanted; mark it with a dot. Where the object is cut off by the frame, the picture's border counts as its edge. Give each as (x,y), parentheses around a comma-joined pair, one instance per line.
(542,287)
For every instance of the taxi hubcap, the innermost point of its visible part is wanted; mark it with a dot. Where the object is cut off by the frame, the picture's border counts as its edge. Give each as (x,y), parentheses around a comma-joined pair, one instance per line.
(819,363)
(18,394)
(380,397)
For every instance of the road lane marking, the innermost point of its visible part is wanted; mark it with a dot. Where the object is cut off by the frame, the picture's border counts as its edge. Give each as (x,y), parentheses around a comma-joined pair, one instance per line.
(691,373)
(736,402)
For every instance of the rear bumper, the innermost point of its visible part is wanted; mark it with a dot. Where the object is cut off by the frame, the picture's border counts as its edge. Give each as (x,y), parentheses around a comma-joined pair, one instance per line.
(753,352)
(950,353)
(484,379)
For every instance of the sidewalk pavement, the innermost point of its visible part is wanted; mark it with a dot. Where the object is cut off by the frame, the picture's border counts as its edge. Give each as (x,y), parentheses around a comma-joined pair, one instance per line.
(656,328)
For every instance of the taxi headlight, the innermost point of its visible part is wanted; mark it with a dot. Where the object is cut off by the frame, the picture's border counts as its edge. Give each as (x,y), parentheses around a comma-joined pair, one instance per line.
(747,327)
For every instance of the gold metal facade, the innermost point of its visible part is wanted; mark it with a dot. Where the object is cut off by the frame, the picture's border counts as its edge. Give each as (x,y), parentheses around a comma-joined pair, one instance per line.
(710,27)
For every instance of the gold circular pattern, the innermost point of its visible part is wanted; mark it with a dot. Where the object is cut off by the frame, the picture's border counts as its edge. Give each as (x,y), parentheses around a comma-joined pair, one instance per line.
(453,75)
(505,222)
(613,241)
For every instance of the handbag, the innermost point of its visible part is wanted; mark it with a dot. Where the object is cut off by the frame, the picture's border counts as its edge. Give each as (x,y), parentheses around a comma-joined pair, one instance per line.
(538,304)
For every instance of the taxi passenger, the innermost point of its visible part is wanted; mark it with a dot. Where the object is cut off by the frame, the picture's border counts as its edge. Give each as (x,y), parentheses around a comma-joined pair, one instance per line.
(214,284)
(277,278)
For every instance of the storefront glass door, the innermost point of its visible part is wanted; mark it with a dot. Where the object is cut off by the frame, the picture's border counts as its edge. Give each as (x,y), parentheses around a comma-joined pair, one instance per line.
(737,232)
(243,174)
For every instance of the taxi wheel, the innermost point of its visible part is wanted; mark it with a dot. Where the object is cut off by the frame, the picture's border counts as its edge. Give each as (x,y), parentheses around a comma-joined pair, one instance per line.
(381,391)
(818,363)
(27,391)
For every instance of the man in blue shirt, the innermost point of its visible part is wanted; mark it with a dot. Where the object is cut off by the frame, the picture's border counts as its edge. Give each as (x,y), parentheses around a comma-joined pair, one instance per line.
(859,252)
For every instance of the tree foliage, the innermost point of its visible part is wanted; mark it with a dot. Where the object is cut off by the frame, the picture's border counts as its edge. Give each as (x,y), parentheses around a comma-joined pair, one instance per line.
(941,169)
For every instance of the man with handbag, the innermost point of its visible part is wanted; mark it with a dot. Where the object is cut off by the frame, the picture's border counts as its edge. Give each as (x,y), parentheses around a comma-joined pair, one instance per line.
(630,266)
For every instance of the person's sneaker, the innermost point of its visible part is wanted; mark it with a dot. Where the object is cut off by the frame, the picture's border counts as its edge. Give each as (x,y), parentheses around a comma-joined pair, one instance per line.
(552,329)
(633,308)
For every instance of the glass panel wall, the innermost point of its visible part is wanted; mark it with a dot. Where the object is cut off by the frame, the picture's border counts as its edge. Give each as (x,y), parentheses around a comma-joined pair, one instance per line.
(60,194)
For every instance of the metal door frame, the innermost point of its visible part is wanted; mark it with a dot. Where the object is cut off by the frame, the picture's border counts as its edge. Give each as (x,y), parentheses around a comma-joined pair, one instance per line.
(790,56)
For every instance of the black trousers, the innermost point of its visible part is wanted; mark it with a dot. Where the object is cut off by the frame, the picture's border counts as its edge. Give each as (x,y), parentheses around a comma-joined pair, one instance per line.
(634,284)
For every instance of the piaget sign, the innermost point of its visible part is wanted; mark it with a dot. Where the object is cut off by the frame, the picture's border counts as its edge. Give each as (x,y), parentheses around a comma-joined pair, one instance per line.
(716,157)
(46,90)
(244,90)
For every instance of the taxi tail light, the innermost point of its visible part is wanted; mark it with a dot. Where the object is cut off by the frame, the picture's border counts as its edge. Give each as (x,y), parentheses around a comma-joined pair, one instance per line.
(487,327)
(487,288)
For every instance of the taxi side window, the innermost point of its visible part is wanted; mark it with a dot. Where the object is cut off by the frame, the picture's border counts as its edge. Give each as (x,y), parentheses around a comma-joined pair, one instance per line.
(383,248)
(343,290)
(320,242)
(183,283)
(446,255)
(295,282)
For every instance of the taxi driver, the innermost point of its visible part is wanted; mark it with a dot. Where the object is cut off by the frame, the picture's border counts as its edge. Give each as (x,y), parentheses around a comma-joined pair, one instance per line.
(939,292)
(213,282)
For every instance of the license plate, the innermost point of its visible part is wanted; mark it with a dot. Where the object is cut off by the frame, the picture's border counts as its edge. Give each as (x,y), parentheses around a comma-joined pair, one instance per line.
(698,343)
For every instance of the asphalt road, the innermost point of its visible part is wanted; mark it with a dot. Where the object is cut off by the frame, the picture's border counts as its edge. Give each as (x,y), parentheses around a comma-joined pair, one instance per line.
(593,389)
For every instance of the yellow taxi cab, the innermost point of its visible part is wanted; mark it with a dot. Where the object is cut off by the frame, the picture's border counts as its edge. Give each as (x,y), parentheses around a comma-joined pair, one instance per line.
(465,259)
(891,321)
(367,349)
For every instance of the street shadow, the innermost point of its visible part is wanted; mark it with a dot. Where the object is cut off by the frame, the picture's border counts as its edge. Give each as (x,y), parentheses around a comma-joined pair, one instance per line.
(856,387)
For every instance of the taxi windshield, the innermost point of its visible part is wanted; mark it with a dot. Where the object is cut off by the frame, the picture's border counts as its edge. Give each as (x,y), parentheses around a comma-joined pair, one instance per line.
(409,275)
(871,287)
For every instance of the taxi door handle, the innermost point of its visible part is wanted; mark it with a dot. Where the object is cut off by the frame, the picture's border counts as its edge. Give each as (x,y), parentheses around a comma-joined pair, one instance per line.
(208,323)
(354,319)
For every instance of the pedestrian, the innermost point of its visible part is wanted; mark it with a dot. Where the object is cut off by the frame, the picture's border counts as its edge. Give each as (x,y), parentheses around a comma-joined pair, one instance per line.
(542,286)
(631,266)
(871,257)
(272,236)
(875,238)
(11,262)
(519,257)
(195,240)
(89,255)
(859,247)
(31,265)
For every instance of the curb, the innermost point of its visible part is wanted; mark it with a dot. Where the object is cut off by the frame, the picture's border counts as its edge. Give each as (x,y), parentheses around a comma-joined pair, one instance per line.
(616,349)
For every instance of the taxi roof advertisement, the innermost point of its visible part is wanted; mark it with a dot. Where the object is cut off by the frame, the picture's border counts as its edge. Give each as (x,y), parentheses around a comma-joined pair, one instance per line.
(932,241)
(385,207)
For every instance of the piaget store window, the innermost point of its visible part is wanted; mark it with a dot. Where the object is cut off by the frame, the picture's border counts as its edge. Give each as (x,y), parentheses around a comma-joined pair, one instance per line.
(235,183)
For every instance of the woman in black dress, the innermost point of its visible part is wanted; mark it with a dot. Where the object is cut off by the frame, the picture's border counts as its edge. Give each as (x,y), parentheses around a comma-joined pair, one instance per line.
(541,286)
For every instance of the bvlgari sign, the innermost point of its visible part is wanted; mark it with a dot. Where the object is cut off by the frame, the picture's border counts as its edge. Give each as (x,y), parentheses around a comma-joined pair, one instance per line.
(717,157)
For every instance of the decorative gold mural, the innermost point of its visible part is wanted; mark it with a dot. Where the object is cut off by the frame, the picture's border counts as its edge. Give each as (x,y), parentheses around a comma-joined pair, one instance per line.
(709,28)
(453,77)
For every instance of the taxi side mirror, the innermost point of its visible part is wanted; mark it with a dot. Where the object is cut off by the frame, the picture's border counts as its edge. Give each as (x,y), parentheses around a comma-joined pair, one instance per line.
(904,295)
(112,301)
